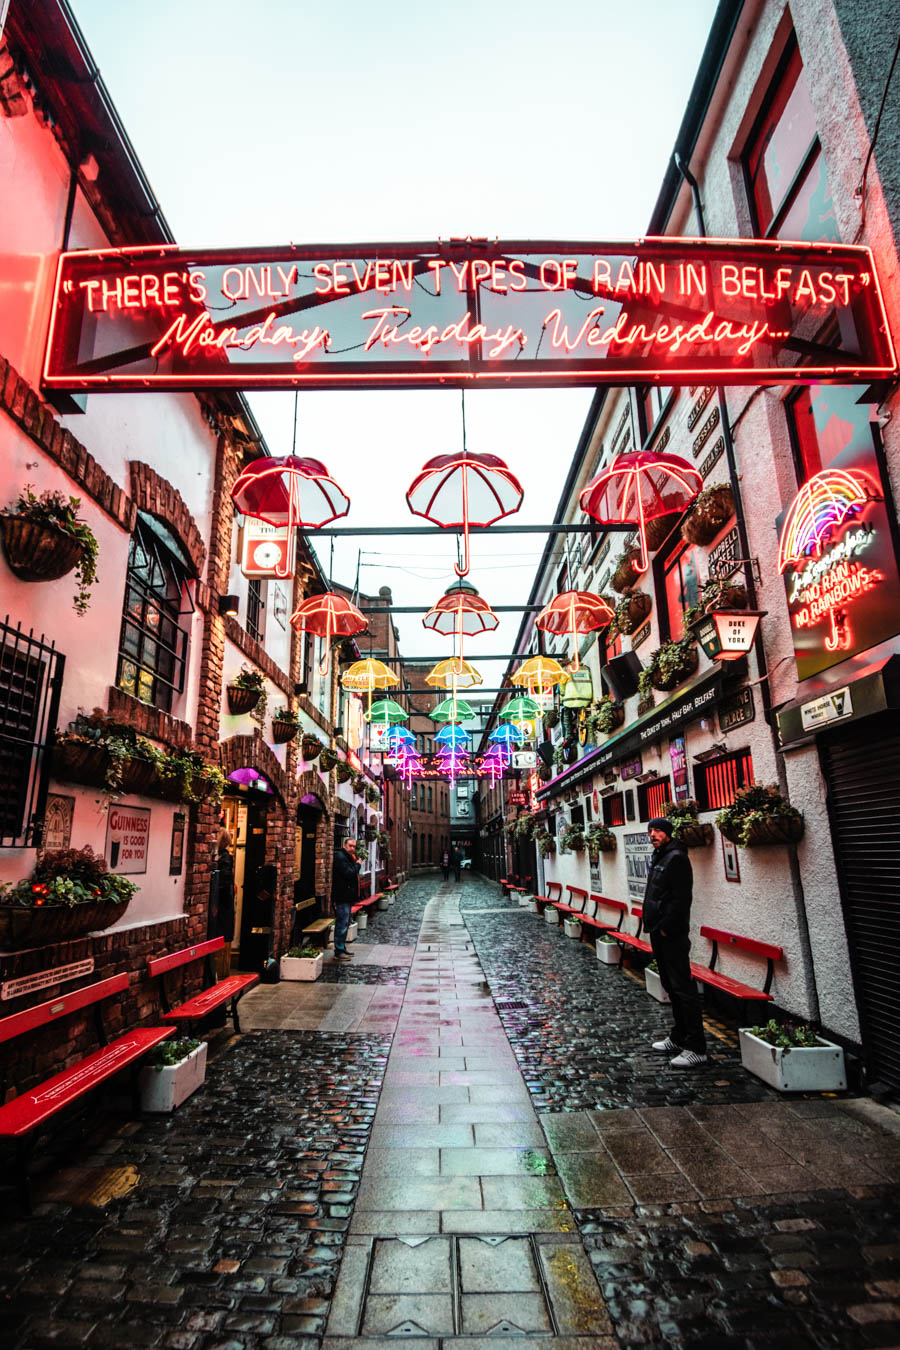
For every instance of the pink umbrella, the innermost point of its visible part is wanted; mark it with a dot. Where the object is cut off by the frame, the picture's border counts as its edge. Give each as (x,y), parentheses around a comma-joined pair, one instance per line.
(289,491)
(456,491)
(461,611)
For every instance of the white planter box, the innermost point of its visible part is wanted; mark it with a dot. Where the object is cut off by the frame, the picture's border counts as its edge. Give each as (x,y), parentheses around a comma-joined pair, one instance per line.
(819,1068)
(531,905)
(165,1088)
(654,986)
(383,902)
(610,953)
(524,900)
(551,915)
(362,921)
(353,930)
(302,967)
(572,927)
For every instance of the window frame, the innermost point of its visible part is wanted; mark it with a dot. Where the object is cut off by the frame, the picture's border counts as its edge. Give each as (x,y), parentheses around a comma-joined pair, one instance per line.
(162,557)
(743,761)
(617,800)
(646,810)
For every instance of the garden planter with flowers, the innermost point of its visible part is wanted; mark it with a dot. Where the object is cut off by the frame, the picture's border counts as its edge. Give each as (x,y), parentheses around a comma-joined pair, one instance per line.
(343,771)
(606,716)
(671,664)
(572,837)
(760,815)
(600,839)
(171,1073)
(632,611)
(244,692)
(572,927)
(70,893)
(626,574)
(653,984)
(310,748)
(793,1059)
(44,540)
(711,511)
(284,726)
(302,963)
(551,915)
(687,828)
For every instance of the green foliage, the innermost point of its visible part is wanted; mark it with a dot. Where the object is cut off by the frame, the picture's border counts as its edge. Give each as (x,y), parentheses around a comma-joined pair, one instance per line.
(605,716)
(524,826)
(305,953)
(185,770)
(599,839)
(572,837)
(52,508)
(285,714)
(786,1037)
(651,965)
(69,877)
(248,679)
(669,665)
(171,1052)
(751,806)
(545,842)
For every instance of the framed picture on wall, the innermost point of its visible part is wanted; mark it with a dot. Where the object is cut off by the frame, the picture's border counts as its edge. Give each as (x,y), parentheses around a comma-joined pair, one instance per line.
(176,848)
(730,860)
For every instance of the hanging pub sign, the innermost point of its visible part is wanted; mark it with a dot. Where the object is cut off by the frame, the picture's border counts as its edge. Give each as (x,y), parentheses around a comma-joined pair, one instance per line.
(834,547)
(464,312)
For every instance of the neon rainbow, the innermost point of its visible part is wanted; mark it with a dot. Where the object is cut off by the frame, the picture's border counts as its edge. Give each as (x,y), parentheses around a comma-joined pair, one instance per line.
(822,504)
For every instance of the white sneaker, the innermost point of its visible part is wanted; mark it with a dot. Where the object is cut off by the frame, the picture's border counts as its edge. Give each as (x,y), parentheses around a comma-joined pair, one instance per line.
(668,1045)
(688,1059)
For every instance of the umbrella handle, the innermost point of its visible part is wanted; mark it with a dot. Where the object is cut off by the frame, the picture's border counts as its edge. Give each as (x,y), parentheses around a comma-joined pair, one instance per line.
(575,665)
(642,561)
(323,667)
(283,570)
(463,571)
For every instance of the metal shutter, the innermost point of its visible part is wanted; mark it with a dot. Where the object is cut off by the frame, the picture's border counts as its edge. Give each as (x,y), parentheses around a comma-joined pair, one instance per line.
(862,769)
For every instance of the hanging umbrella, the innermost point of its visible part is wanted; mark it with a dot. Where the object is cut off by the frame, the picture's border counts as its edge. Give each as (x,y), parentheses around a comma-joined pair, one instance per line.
(329,615)
(452,735)
(369,674)
(289,491)
(386,712)
(456,491)
(506,735)
(453,673)
(462,612)
(539,674)
(399,736)
(450,710)
(575,612)
(520,709)
(638,487)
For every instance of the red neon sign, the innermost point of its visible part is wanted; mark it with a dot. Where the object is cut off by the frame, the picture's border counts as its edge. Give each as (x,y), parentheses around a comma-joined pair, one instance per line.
(522,313)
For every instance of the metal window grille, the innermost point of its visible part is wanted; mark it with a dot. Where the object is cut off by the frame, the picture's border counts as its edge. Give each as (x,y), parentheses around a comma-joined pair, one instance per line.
(720,779)
(152,643)
(255,609)
(614,809)
(653,798)
(31,674)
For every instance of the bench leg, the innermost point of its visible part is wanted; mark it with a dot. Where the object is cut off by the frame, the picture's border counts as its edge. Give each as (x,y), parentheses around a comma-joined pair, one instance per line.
(234,1016)
(24,1151)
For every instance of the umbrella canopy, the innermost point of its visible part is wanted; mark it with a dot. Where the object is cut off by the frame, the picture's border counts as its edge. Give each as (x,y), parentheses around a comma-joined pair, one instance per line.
(640,486)
(368,674)
(399,736)
(289,491)
(575,612)
(452,735)
(520,709)
(451,710)
(506,734)
(539,674)
(329,615)
(456,491)
(386,712)
(463,612)
(453,673)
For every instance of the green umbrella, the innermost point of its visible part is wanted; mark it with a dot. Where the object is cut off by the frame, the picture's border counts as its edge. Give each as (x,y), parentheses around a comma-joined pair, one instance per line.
(520,709)
(451,710)
(386,712)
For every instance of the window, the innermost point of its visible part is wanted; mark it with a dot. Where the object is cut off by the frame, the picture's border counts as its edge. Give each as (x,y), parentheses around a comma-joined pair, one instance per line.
(429,798)
(30,681)
(614,809)
(256,609)
(429,848)
(415,796)
(653,402)
(415,848)
(825,421)
(681,576)
(653,797)
(783,162)
(153,643)
(717,780)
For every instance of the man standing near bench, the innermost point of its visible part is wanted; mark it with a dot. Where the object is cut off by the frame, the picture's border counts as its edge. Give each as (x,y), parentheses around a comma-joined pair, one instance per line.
(667,923)
(344,893)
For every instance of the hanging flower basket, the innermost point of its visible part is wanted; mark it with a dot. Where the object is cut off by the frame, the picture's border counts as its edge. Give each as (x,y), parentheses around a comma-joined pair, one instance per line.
(657,531)
(241,700)
(632,611)
(713,508)
(284,730)
(760,815)
(551,717)
(672,664)
(38,551)
(343,771)
(327,759)
(766,830)
(80,762)
(600,839)
(696,835)
(607,716)
(371,834)
(626,574)
(310,748)
(55,923)
(140,777)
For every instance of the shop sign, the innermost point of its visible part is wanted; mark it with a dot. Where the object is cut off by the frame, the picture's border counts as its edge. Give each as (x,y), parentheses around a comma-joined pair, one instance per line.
(127,838)
(713,457)
(721,561)
(524,759)
(517,798)
(463,312)
(267,550)
(30,984)
(736,709)
(57,833)
(678,756)
(631,768)
(638,856)
(640,636)
(829,708)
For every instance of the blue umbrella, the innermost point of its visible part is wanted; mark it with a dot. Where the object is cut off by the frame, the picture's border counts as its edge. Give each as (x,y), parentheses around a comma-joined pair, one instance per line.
(507,734)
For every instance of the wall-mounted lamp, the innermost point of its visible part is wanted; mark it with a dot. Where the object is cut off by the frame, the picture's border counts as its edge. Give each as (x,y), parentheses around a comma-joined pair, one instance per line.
(727,634)
(228,604)
(714,751)
(339,731)
(301,688)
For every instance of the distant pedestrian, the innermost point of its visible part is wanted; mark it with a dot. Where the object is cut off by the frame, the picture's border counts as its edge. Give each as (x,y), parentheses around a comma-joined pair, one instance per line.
(456,862)
(667,921)
(445,865)
(344,893)
(225,864)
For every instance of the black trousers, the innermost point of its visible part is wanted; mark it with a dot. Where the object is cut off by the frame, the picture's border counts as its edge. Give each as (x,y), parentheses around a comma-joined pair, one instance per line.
(674,962)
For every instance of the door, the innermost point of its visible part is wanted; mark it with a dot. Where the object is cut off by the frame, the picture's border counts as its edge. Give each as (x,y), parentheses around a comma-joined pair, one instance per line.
(258,893)
(861,764)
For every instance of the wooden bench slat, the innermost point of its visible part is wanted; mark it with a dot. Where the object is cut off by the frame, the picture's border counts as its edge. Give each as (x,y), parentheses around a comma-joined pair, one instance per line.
(728,985)
(319,925)
(363,904)
(31,1108)
(611,904)
(212,998)
(158,965)
(29,1019)
(767,949)
(629,941)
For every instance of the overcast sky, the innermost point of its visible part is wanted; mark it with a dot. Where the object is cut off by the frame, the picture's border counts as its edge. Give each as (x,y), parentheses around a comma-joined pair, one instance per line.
(280,120)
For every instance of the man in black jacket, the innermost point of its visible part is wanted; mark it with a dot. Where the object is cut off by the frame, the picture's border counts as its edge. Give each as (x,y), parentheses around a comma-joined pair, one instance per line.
(344,893)
(667,921)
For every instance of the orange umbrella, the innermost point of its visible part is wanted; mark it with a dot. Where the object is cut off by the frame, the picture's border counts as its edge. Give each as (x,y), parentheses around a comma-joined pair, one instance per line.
(328,616)
(639,486)
(575,612)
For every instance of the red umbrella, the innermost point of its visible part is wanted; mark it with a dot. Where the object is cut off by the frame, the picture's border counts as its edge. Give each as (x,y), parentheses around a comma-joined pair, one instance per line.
(575,612)
(463,612)
(640,486)
(289,491)
(329,615)
(456,491)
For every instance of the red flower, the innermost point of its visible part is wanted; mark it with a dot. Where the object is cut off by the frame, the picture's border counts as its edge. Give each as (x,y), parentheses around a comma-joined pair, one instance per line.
(39,889)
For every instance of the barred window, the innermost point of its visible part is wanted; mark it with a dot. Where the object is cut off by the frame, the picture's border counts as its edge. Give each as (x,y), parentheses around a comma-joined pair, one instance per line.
(614,809)
(31,673)
(719,779)
(653,798)
(256,609)
(153,641)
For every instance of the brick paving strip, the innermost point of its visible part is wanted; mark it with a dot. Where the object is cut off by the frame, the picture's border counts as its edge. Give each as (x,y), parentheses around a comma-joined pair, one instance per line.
(461,1232)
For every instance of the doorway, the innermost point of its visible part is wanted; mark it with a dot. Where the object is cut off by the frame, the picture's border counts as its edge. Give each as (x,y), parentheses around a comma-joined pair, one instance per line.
(245,819)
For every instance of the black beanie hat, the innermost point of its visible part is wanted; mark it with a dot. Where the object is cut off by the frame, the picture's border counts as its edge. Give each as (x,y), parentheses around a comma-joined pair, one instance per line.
(660,823)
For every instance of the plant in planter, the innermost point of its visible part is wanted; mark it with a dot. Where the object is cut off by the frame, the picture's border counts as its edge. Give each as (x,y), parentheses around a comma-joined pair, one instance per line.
(551,717)
(688,830)
(760,815)
(373,796)
(545,842)
(653,984)
(44,540)
(564,753)
(711,510)
(285,725)
(717,593)
(310,747)
(343,771)
(185,776)
(327,759)
(646,699)
(600,839)
(632,611)
(172,1071)
(626,571)
(793,1058)
(97,749)
(371,834)
(302,963)
(384,843)
(608,950)
(672,663)
(70,892)
(245,691)
(358,783)
(572,837)
(606,716)
(523,828)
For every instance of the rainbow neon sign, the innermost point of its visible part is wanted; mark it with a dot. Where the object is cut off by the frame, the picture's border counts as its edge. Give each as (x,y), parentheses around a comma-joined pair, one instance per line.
(819,508)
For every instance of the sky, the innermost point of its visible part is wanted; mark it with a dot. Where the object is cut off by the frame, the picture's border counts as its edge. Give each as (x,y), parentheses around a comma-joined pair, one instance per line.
(282,120)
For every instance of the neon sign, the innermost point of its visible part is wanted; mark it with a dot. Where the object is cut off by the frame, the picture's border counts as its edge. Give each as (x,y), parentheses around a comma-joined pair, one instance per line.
(468,312)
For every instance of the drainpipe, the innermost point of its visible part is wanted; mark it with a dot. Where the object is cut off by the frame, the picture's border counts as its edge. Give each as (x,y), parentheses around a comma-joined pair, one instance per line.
(806,955)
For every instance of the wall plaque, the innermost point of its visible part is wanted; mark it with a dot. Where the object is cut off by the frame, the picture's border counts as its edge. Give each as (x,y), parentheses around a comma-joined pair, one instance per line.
(713,457)
(57,823)
(640,636)
(737,709)
(706,431)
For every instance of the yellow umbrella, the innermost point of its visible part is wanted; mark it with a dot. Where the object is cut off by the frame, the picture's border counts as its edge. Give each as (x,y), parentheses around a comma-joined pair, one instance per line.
(538,675)
(454,674)
(369,674)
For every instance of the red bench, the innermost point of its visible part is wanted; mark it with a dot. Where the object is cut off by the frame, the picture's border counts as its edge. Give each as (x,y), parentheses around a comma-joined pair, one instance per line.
(21,1118)
(215,994)
(634,942)
(368,902)
(592,920)
(724,983)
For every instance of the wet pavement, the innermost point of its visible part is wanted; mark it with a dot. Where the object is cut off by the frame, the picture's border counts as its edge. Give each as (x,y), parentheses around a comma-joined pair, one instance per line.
(461,1138)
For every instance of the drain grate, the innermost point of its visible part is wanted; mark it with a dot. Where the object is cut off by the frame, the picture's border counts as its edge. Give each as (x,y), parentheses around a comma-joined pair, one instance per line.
(510,1006)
